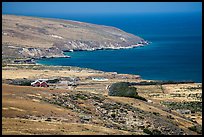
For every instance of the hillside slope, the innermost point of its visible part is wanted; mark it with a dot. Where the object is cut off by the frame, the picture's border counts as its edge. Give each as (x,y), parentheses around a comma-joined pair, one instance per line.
(37,37)
(77,104)
(76,113)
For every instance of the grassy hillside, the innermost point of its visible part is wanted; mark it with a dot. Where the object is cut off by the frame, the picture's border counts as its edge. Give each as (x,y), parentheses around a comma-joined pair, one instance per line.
(35,37)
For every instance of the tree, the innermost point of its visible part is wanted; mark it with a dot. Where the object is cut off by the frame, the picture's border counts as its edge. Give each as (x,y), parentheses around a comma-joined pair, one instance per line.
(123,89)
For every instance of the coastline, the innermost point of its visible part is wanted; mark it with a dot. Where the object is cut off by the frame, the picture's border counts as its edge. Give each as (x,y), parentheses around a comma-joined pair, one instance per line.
(140,44)
(133,46)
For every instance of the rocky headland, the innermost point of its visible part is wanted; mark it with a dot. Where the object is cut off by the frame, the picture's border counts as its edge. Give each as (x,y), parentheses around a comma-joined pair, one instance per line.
(32,37)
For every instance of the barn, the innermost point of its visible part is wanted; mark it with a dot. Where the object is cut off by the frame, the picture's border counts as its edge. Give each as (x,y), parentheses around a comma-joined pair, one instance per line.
(40,83)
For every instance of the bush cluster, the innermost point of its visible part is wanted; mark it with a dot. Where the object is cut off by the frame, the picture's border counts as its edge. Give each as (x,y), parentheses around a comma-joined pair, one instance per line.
(194,106)
(197,129)
(53,81)
(161,82)
(154,132)
(123,89)
(21,82)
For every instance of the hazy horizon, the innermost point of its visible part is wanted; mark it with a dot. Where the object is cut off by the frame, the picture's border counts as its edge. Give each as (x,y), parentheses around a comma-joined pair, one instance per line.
(33,8)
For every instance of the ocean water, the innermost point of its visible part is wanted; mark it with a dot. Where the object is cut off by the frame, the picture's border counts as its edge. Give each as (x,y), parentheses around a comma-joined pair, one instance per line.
(174,54)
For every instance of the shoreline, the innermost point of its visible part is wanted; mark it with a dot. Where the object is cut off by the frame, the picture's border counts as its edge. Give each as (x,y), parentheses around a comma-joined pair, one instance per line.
(130,47)
(141,78)
(112,48)
(143,82)
(33,61)
(140,44)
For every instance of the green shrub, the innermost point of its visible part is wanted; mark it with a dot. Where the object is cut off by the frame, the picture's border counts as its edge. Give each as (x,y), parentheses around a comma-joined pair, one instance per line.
(170,117)
(195,106)
(21,82)
(81,96)
(25,83)
(197,129)
(147,131)
(123,89)
(156,113)
(154,132)
(53,81)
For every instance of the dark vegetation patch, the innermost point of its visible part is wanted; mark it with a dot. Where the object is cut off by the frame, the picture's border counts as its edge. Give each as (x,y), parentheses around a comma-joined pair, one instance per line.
(194,106)
(53,81)
(20,82)
(196,128)
(114,115)
(123,89)
(81,96)
(153,132)
(156,113)
(159,82)
(147,131)
(170,117)
(193,88)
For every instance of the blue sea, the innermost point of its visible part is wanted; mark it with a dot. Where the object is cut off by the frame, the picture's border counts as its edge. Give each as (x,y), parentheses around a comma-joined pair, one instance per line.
(174,54)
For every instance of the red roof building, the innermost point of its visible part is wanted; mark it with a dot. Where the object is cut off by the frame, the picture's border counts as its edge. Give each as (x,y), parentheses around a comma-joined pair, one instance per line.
(40,83)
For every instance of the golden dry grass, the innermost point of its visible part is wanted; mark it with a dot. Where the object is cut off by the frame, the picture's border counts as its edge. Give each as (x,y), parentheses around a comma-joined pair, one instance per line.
(16,105)
(15,126)
(16,102)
